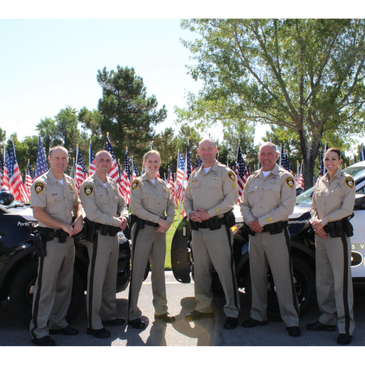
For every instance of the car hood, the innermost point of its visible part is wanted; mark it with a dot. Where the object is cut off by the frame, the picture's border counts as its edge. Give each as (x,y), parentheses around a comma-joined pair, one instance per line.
(25,211)
(299,210)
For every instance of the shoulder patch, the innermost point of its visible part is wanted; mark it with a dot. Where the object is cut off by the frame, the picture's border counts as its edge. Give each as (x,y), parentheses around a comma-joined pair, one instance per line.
(290,182)
(88,189)
(349,181)
(135,183)
(232,176)
(39,187)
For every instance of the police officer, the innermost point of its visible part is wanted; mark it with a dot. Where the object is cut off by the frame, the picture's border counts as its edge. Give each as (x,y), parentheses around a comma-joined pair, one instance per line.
(333,202)
(150,199)
(54,198)
(268,199)
(106,214)
(212,193)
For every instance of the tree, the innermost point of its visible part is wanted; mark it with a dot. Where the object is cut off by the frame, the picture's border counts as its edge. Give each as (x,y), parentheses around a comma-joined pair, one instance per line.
(67,134)
(305,75)
(47,130)
(127,113)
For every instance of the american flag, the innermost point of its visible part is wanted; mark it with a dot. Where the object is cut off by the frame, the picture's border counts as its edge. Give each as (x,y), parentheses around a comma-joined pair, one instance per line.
(29,178)
(198,161)
(170,183)
(126,179)
(241,172)
(284,160)
(81,172)
(179,177)
(113,173)
(41,164)
(6,170)
(300,182)
(1,168)
(16,185)
(135,171)
(91,161)
(188,166)
(119,183)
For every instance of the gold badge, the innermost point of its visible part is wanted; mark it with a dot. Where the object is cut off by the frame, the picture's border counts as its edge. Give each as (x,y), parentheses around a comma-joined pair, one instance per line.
(349,181)
(71,187)
(290,182)
(164,189)
(232,176)
(135,184)
(39,186)
(88,189)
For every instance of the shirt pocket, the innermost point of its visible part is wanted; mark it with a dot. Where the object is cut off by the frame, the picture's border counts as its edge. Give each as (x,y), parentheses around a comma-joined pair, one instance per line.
(101,199)
(54,204)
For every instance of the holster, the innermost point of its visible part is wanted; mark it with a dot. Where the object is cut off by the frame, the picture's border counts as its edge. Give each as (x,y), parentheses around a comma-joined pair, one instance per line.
(248,230)
(339,228)
(90,230)
(229,218)
(63,236)
(40,242)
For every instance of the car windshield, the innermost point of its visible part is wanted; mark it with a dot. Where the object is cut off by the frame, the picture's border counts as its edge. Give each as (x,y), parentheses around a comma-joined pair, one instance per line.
(356,171)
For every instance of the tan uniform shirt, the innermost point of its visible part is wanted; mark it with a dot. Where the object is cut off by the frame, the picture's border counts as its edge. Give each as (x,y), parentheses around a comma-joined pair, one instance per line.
(57,200)
(271,199)
(214,191)
(333,200)
(102,204)
(150,201)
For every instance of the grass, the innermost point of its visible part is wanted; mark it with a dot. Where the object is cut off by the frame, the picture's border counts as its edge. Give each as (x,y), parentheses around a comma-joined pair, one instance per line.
(169,236)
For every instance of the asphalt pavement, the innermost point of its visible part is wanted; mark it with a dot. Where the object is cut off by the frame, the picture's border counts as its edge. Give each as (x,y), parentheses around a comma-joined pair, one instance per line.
(205,332)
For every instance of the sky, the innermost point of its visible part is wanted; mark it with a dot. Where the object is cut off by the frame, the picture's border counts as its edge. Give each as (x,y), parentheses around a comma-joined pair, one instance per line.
(52,64)
(50,57)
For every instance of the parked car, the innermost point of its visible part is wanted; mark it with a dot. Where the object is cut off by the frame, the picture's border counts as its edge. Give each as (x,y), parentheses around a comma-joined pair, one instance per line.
(302,250)
(18,262)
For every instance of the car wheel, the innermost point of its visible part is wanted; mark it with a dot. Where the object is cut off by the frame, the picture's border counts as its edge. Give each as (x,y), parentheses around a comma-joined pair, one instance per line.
(305,287)
(21,293)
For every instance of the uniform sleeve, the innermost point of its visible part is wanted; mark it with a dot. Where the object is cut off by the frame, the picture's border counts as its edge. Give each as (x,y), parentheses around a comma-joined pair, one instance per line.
(286,206)
(246,209)
(348,202)
(122,206)
(38,194)
(77,200)
(230,192)
(91,210)
(136,203)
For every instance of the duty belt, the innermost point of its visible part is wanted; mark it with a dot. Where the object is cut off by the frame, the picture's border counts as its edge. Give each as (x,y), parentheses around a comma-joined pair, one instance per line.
(276,227)
(52,233)
(211,223)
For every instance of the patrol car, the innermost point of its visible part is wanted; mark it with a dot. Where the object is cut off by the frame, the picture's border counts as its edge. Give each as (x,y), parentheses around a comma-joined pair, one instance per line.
(302,250)
(18,262)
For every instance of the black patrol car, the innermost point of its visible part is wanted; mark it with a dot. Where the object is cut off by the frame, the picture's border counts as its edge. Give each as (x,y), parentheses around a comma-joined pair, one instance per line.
(302,250)
(18,261)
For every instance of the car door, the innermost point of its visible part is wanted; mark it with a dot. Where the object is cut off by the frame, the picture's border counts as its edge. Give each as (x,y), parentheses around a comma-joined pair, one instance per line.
(181,252)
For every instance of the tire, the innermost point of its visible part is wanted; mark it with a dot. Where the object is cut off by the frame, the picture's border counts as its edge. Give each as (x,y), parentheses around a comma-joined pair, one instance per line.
(304,283)
(21,293)
(305,287)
